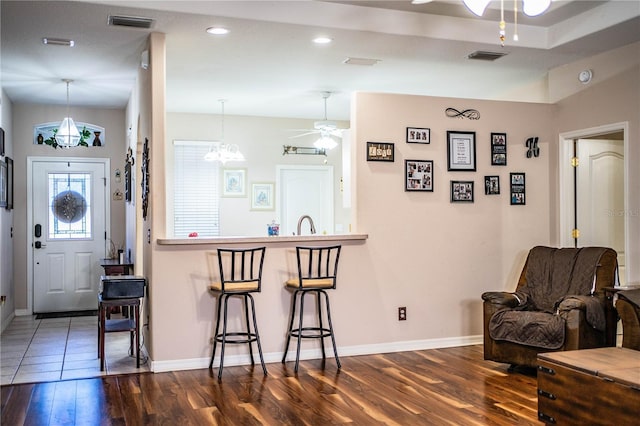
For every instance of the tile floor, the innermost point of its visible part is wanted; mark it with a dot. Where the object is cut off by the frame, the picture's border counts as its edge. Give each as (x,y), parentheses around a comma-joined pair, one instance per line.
(46,350)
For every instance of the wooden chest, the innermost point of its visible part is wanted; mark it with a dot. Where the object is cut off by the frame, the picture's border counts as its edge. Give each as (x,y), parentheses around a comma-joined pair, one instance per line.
(589,387)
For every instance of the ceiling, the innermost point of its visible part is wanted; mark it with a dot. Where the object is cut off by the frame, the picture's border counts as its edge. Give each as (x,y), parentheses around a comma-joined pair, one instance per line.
(268,66)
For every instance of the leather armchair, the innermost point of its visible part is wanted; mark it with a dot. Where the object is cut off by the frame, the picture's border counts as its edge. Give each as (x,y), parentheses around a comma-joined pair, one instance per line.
(628,307)
(575,311)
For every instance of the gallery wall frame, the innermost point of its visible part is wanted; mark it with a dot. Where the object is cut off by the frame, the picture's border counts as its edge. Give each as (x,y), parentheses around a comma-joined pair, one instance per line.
(517,189)
(498,149)
(234,182)
(263,196)
(1,141)
(418,175)
(419,135)
(461,151)
(9,162)
(3,184)
(492,185)
(381,151)
(462,191)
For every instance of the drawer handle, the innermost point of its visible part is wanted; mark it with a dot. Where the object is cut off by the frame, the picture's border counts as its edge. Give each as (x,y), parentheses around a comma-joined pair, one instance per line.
(546,394)
(546,370)
(545,418)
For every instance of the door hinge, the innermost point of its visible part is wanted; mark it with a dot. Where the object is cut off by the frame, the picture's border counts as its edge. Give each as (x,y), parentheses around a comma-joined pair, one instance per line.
(575,162)
(575,233)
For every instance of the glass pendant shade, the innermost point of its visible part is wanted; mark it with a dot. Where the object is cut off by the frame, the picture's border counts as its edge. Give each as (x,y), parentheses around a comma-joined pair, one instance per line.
(535,7)
(68,134)
(477,6)
(325,142)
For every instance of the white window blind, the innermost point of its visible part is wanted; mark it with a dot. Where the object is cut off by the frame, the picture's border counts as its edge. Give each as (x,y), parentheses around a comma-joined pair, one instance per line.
(196,194)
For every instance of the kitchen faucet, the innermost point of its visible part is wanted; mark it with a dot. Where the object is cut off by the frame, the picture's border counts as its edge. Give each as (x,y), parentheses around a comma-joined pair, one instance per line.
(302,218)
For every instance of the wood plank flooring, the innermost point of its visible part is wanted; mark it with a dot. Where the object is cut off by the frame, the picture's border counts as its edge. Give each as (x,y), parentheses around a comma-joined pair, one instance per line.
(452,386)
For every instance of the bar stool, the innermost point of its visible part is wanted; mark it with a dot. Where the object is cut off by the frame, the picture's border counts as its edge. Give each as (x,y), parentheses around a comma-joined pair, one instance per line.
(317,269)
(240,275)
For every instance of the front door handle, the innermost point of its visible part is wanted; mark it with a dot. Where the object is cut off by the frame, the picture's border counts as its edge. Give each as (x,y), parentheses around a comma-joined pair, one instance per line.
(39,244)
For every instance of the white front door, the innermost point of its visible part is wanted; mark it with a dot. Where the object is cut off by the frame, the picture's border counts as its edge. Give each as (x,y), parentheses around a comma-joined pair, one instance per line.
(69,219)
(600,195)
(305,190)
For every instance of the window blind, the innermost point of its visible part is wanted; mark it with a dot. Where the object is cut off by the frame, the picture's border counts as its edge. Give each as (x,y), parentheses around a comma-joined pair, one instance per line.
(196,193)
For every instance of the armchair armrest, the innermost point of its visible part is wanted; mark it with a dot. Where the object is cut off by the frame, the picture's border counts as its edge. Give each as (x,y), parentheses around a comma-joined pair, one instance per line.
(507,300)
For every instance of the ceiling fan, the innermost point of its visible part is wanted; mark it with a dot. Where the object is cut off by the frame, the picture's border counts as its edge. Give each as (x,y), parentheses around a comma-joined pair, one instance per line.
(325,128)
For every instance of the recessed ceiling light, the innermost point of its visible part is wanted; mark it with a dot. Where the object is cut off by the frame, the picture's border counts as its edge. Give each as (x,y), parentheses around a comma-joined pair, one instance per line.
(322,40)
(217,30)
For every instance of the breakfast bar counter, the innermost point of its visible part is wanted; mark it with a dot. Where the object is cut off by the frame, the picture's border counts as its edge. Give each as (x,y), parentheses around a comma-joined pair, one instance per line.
(304,239)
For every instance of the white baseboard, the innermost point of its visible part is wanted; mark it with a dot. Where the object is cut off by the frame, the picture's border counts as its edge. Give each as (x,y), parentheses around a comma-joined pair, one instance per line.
(233,360)
(7,321)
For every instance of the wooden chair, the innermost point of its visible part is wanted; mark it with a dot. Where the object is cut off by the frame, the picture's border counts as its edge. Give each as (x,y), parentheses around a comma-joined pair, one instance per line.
(240,275)
(317,269)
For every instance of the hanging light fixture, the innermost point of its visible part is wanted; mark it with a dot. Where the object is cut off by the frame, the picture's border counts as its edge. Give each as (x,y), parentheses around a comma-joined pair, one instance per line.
(223,152)
(529,7)
(67,134)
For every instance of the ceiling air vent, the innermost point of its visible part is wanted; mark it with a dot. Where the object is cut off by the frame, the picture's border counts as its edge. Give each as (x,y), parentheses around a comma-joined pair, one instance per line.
(361,61)
(130,21)
(482,55)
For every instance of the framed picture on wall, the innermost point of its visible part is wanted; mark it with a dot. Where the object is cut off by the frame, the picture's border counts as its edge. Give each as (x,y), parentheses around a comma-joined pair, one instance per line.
(498,149)
(380,151)
(492,185)
(234,182)
(462,191)
(517,189)
(418,135)
(3,184)
(262,196)
(461,151)
(9,162)
(418,175)
(1,141)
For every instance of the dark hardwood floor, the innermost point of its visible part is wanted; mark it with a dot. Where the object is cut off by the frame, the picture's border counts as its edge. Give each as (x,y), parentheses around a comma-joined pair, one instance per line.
(452,386)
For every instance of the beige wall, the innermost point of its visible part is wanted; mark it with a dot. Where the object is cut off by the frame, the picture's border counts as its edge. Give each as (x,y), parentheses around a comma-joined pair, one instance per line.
(7,287)
(25,117)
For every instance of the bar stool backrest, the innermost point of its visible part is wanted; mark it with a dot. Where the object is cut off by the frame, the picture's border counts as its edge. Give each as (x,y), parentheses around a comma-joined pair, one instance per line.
(317,266)
(240,270)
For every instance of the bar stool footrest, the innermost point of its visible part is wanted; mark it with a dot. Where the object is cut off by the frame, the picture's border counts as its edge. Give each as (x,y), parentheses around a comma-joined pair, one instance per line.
(235,338)
(319,333)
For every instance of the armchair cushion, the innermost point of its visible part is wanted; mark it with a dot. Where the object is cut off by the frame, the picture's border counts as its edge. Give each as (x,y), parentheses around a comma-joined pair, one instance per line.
(530,328)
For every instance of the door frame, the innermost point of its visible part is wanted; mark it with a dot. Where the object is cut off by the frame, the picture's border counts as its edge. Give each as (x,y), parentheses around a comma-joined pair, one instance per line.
(566,188)
(106,162)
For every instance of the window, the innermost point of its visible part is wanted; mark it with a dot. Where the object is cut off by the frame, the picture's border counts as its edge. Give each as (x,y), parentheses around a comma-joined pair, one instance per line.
(196,191)
(69,206)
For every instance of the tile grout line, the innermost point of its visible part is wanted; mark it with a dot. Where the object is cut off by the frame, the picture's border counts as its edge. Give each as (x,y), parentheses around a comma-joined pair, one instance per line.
(25,351)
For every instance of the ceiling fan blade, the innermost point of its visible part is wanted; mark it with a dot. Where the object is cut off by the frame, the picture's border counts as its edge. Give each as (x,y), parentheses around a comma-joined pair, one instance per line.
(305,134)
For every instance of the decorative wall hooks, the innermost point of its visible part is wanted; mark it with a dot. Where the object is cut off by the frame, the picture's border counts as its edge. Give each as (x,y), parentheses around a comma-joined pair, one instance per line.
(471,114)
(533,150)
(303,150)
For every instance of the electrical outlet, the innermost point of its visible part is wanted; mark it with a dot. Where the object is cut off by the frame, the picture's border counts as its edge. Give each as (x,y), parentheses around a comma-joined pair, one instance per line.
(402,313)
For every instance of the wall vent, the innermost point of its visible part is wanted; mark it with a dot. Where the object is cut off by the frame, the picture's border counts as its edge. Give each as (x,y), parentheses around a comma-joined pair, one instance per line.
(483,55)
(130,21)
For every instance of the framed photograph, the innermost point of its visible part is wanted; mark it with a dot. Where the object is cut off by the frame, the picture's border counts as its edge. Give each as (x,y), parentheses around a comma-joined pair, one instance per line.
(492,185)
(234,182)
(3,184)
(9,162)
(262,196)
(517,186)
(127,181)
(1,141)
(418,175)
(418,135)
(380,151)
(498,149)
(461,151)
(462,191)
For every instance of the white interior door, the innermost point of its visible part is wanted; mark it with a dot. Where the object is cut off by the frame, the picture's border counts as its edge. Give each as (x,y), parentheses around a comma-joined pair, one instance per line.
(305,190)
(600,195)
(69,218)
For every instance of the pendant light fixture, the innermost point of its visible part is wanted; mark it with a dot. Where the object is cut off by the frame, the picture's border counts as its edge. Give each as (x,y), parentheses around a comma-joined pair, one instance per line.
(529,8)
(67,134)
(221,151)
